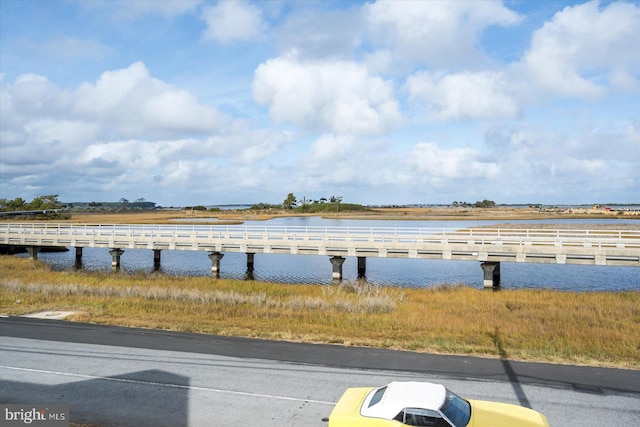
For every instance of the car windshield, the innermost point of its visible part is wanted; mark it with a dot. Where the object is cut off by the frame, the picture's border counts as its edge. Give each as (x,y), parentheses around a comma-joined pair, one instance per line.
(377,396)
(456,409)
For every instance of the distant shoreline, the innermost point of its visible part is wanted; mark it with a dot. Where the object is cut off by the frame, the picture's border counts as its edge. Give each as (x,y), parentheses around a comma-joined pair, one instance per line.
(392,214)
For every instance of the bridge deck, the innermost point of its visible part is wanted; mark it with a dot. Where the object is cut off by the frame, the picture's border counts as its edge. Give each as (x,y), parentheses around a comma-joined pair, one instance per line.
(562,246)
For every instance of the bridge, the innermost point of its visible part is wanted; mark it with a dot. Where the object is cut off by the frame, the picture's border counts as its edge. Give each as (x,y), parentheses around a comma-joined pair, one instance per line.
(488,246)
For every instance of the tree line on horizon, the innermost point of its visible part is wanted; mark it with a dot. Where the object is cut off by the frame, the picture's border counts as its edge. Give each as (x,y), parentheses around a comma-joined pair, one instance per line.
(479,204)
(323,204)
(49,202)
(52,203)
(334,203)
(291,202)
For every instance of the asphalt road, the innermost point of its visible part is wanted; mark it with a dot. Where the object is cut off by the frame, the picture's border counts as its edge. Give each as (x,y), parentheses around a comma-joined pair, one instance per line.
(137,377)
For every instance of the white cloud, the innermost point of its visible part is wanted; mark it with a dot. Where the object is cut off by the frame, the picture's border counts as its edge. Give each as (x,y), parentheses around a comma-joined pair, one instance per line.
(338,96)
(380,61)
(440,166)
(585,46)
(178,110)
(383,102)
(33,93)
(541,164)
(346,164)
(111,89)
(134,104)
(465,96)
(438,33)
(33,125)
(330,148)
(69,133)
(233,20)
(315,33)
(127,128)
(263,147)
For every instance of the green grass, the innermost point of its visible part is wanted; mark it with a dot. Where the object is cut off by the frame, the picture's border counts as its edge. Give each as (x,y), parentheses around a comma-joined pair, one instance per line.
(597,328)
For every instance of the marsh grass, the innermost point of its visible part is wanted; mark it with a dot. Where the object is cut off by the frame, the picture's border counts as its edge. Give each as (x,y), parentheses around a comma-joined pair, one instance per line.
(601,328)
(238,216)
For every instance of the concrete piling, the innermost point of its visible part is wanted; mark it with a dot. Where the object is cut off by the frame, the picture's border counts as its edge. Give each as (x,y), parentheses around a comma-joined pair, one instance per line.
(33,252)
(362,267)
(337,262)
(491,274)
(78,263)
(115,253)
(156,259)
(215,258)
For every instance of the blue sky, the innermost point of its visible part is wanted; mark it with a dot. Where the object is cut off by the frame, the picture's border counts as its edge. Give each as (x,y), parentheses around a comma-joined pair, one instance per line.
(198,102)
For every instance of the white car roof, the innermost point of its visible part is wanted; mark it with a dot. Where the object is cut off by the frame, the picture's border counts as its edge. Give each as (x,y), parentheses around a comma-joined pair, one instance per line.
(400,395)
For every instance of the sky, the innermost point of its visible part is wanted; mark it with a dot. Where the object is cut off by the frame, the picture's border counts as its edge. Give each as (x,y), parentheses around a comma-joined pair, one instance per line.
(382,102)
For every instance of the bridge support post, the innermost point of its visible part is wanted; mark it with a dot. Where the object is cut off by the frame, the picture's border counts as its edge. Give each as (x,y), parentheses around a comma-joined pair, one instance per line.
(491,274)
(115,253)
(362,267)
(78,263)
(337,262)
(156,259)
(250,262)
(33,252)
(215,258)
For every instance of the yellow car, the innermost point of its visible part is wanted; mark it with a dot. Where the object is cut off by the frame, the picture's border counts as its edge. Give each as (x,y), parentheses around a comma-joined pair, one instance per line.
(425,404)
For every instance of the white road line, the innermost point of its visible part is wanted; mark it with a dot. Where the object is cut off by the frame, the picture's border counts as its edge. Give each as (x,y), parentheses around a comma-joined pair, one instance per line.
(168,385)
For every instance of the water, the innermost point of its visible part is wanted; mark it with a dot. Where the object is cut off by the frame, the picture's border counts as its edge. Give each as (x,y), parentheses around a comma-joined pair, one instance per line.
(417,273)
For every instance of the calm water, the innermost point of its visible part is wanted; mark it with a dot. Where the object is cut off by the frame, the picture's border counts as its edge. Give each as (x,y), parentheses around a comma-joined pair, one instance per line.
(381,271)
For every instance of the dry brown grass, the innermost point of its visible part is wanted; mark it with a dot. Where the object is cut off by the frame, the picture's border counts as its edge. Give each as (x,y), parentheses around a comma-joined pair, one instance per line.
(147,217)
(236,217)
(599,328)
(499,213)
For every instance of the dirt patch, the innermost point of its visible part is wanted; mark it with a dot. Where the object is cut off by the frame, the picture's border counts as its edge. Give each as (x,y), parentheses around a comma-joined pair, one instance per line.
(54,315)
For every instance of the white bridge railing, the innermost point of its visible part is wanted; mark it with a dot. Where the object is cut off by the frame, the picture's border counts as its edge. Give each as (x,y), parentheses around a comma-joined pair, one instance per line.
(583,246)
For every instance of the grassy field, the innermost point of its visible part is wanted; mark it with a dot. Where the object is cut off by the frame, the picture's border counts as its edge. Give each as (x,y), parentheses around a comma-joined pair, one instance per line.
(595,328)
(439,214)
